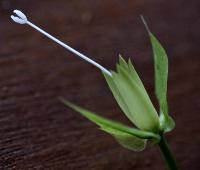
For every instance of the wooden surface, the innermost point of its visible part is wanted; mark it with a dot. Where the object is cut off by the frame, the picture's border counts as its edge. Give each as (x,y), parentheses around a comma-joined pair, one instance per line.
(38,132)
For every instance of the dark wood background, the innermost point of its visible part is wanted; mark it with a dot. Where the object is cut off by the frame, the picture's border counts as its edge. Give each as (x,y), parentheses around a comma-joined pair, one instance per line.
(38,132)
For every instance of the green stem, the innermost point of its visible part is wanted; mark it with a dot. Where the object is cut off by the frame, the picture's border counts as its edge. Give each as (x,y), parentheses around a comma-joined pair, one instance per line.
(167,154)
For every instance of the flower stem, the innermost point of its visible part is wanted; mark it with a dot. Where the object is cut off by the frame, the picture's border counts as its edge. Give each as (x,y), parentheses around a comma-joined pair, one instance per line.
(167,154)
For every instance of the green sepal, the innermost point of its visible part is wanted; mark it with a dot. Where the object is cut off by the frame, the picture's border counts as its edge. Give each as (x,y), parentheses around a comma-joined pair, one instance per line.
(128,137)
(161,77)
(130,94)
(167,124)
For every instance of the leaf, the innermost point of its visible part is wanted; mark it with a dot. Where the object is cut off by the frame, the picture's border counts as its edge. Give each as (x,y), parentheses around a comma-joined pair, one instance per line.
(109,124)
(161,76)
(126,140)
(132,97)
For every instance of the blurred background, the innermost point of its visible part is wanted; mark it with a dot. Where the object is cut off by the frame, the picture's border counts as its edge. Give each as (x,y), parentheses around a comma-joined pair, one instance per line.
(38,132)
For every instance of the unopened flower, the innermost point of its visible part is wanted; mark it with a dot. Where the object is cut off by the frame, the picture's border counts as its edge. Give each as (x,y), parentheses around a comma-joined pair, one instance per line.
(129,93)
(132,97)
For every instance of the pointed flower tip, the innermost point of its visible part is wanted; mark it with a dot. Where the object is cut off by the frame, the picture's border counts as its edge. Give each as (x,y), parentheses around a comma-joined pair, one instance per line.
(20,17)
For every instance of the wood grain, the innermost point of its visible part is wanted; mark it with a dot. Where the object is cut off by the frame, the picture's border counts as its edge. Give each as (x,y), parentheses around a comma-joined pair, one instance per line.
(38,132)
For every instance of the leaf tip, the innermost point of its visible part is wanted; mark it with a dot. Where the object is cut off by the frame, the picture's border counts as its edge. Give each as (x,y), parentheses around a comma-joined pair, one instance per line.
(145,24)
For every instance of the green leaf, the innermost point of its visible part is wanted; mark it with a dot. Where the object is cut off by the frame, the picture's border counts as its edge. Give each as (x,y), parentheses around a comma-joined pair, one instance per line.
(161,76)
(109,124)
(132,97)
(126,140)
(129,138)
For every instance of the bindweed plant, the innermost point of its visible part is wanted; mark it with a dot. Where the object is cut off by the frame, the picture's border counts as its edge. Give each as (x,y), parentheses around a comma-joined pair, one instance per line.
(131,96)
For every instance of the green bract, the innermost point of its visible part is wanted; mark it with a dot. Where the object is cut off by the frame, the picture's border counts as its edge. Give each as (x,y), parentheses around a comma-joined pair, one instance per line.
(161,76)
(129,137)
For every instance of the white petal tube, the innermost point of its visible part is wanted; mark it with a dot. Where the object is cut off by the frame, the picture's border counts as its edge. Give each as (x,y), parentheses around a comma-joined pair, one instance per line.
(22,19)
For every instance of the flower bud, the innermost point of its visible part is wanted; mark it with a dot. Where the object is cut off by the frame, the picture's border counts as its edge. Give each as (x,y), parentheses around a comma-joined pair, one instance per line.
(132,97)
